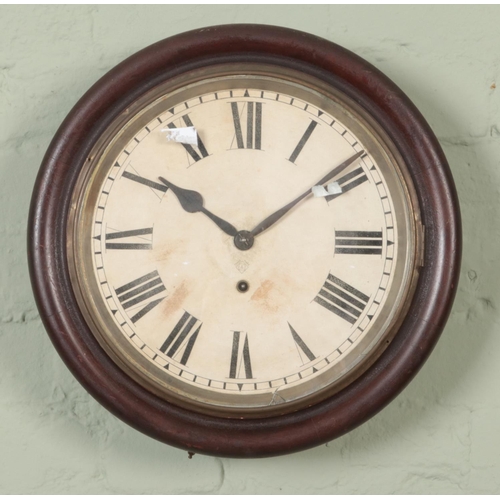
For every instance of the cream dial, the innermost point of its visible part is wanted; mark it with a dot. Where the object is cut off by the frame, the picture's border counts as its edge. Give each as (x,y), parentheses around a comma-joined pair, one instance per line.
(232,331)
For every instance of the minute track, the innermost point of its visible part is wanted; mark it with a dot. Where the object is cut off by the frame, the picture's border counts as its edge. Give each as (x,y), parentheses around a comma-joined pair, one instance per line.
(184,357)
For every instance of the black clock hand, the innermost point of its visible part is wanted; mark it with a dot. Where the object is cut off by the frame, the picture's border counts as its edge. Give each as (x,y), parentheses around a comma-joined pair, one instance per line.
(276,216)
(192,202)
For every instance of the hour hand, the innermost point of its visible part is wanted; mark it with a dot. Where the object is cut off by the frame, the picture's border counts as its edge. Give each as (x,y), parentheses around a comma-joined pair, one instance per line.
(192,202)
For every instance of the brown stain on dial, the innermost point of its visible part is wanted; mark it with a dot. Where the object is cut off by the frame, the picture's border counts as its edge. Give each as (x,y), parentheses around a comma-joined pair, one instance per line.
(264,295)
(168,250)
(175,300)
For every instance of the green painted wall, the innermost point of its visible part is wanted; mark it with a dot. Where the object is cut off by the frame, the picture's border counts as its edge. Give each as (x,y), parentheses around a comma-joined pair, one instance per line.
(440,436)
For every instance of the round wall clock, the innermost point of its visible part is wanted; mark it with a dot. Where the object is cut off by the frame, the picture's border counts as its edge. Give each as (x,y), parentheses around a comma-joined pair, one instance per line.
(244,241)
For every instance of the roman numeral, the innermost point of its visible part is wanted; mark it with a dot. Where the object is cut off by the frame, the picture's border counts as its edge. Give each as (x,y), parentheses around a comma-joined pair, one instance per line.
(146,182)
(303,141)
(348,182)
(196,153)
(182,338)
(302,348)
(358,242)
(342,299)
(240,357)
(137,293)
(253,121)
(128,235)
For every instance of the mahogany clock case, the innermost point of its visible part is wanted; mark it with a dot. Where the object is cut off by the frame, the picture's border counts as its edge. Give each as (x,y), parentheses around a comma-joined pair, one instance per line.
(427,313)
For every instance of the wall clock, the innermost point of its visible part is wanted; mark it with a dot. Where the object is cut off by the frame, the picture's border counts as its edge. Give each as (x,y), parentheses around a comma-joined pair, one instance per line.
(269,280)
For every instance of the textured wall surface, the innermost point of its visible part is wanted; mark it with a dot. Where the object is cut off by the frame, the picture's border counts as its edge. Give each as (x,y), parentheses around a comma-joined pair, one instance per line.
(441,435)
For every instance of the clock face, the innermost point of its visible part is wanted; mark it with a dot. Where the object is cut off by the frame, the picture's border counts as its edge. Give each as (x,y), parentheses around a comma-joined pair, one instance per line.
(200,306)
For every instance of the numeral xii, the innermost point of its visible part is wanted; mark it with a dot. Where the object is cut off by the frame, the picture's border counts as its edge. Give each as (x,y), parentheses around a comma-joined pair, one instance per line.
(253,124)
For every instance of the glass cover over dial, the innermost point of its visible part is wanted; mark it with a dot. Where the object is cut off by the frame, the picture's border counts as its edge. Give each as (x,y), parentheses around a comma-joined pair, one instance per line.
(209,270)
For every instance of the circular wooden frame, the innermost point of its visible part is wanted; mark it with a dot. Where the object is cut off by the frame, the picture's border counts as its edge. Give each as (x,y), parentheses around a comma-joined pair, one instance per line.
(426,316)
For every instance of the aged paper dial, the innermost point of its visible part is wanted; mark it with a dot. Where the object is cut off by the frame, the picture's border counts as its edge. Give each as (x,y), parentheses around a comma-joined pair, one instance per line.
(194,297)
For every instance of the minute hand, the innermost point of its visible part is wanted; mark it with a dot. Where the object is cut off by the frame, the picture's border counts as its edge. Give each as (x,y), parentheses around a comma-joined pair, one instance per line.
(276,216)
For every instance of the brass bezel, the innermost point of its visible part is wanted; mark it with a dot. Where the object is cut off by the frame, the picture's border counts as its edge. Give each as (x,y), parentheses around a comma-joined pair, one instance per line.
(162,96)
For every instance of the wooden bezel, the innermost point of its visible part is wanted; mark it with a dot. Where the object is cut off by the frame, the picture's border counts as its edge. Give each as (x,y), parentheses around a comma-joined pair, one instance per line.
(255,437)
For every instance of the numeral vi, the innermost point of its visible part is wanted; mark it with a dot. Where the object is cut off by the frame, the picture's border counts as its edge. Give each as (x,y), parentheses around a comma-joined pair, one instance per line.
(241,366)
